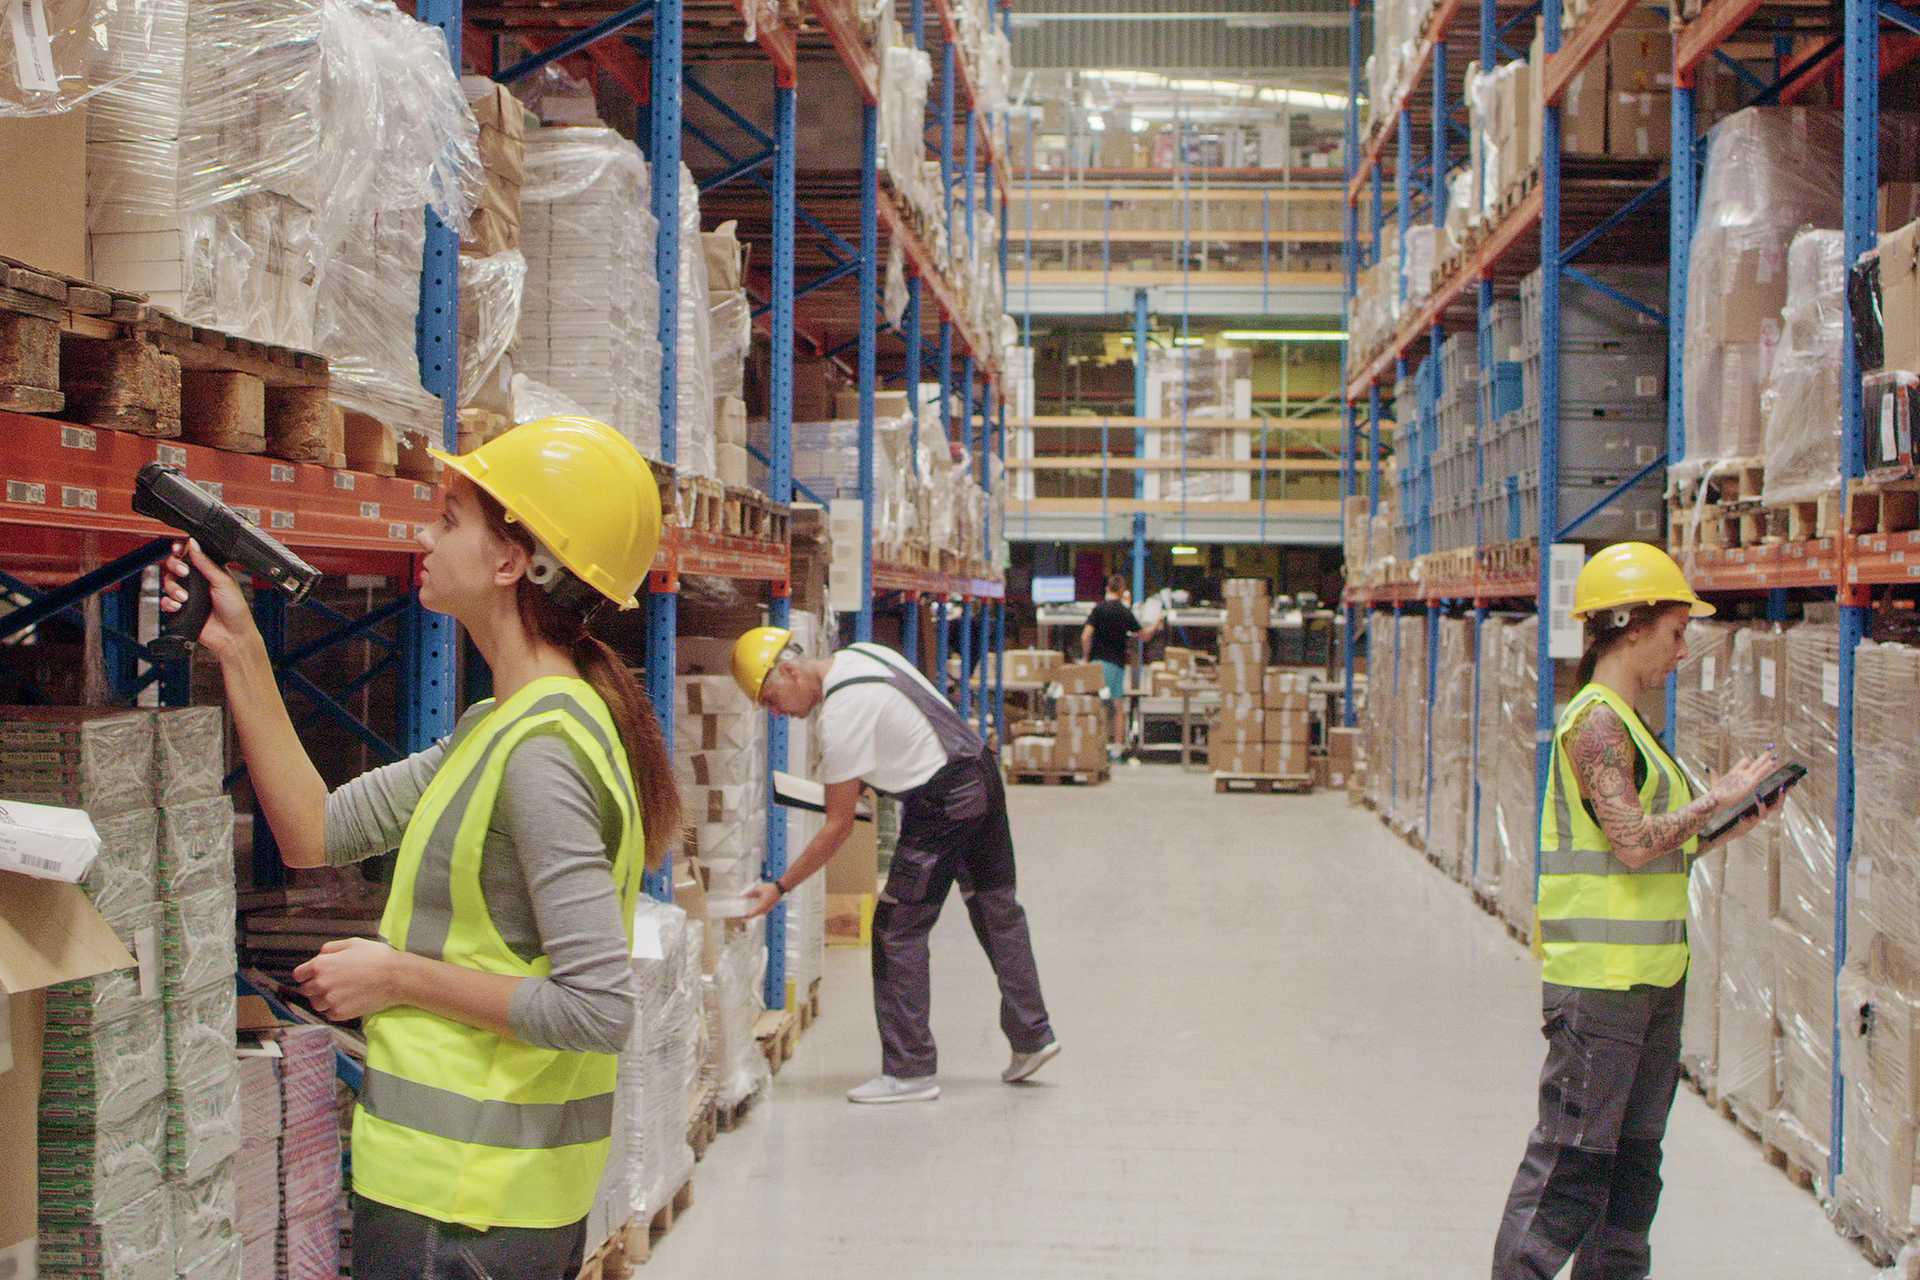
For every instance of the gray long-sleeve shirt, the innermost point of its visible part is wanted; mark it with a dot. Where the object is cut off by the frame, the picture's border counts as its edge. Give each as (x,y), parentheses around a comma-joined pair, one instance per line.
(546,872)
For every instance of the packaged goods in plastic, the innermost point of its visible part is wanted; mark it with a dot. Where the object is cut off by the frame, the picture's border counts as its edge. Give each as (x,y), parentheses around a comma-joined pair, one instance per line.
(203,1124)
(495,227)
(734,1004)
(1700,1025)
(365,321)
(1704,701)
(1808,854)
(308,1247)
(1801,404)
(105,997)
(309,1166)
(134,1244)
(306,1073)
(122,882)
(1448,831)
(1408,763)
(492,290)
(44,53)
(1878,1047)
(196,846)
(261,1113)
(1380,709)
(226,1261)
(100,760)
(203,1219)
(92,1171)
(257,1256)
(660,1063)
(1516,805)
(189,754)
(256,1183)
(105,1073)
(200,1033)
(693,388)
(589,319)
(1490,646)
(197,940)
(1885,891)
(1803,1005)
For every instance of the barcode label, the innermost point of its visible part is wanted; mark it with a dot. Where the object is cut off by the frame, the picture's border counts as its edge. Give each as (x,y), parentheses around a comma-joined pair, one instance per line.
(78,438)
(343,480)
(1706,674)
(35,862)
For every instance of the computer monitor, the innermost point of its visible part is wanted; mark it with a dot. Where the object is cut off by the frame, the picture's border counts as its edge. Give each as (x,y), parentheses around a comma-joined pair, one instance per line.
(1053,590)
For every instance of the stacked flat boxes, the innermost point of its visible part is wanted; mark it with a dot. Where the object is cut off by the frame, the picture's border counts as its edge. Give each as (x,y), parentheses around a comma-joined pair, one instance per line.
(1238,740)
(1407,756)
(720,760)
(1747,1048)
(306,1238)
(1704,707)
(1450,805)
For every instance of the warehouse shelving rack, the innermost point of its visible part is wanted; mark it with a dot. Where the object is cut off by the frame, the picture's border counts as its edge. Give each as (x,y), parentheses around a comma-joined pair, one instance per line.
(71,533)
(1876,39)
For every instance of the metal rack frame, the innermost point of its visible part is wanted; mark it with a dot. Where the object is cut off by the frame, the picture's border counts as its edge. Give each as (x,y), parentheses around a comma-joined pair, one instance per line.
(1847,566)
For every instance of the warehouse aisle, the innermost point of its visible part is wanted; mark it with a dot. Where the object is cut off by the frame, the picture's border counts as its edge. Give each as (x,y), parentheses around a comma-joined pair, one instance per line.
(1292,1049)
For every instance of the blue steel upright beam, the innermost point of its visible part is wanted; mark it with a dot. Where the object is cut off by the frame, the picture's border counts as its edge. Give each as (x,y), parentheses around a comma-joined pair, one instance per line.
(1143,410)
(663,134)
(1350,266)
(1860,177)
(780,489)
(431,643)
(1549,489)
(869,335)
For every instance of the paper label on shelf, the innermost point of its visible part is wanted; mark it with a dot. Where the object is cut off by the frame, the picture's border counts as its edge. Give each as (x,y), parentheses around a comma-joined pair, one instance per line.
(33,46)
(1830,683)
(1647,384)
(1567,636)
(1706,674)
(1767,683)
(844,585)
(647,944)
(146,949)
(1888,448)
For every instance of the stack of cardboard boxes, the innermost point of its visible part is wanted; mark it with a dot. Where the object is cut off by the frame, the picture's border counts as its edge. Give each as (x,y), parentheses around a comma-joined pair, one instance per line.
(1264,725)
(1287,733)
(1077,737)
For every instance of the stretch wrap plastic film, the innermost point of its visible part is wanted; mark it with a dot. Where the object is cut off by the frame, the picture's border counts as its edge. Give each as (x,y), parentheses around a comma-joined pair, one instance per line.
(203,1220)
(134,1244)
(660,1063)
(189,754)
(198,938)
(100,761)
(200,1034)
(196,846)
(122,881)
(1746,1049)
(733,1005)
(693,392)
(1801,404)
(91,1172)
(1448,831)
(203,1124)
(103,1074)
(105,997)
(1516,803)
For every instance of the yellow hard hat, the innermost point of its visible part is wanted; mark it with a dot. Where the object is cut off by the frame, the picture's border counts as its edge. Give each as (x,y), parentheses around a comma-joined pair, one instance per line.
(755,655)
(582,489)
(1629,574)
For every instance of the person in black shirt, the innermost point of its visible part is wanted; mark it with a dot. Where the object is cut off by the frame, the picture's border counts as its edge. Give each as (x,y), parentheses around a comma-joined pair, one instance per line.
(1104,640)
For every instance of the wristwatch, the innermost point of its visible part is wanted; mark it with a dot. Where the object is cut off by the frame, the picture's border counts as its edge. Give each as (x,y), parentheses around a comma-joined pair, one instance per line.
(778,888)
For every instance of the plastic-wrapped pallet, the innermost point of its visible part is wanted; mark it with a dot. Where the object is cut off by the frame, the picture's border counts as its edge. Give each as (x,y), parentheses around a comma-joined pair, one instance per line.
(1408,762)
(1808,855)
(88,1173)
(308,1247)
(1704,706)
(734,1003)
(197,938)
(1490,648)
(1516,806)
(905,74)
(693,388)
(196,846)
(1190,385)
(366,318)
(1746,1048)
(103,1074)
(590,316)
(1381,710)
(203,1222)
(660,1062)
(492,289)
(121,883)
(1801,1125)
(227,1261)
(1801,405)
(99,760)
(200,1033)
(723,788)
(203,1124)
(256,1168)
(1448,834)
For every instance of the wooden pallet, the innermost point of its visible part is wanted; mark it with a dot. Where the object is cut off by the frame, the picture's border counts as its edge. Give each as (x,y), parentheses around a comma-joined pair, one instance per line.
(808,1010)
(643,1236)
(750,514)
(703,1121)
(700,503)
(1262,783)
(1059,777)
(1883,508)
(778,1034)
(1509,559)
(731,1117)
(609,1261)
(1807,520)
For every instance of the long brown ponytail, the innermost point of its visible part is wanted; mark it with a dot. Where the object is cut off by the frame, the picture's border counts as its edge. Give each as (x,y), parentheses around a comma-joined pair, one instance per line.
(632,710)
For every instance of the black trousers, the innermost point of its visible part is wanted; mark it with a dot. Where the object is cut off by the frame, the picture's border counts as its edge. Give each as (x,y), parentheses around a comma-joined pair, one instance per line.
(397,1244)
(1590,1181)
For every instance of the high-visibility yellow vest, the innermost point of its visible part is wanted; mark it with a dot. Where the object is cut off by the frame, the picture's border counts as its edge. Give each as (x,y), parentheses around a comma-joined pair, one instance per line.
(456,1123)
(1601,923)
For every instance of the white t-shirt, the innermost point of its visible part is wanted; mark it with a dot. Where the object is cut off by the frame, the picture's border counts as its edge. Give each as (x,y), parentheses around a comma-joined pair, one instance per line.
(873,731)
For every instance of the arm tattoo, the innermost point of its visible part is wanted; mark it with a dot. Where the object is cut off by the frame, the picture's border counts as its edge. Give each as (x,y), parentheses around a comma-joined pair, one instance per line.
(1603,756)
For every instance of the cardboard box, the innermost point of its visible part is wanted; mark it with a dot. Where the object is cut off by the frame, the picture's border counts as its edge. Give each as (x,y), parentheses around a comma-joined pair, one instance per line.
(1243,668)
(1899,203)
(730,465)
(1292,725)
(1249,611)
(1080,744)
(1283,687)
(1031,666)
(730,420)
(1900,296)
(1253,636)
(814,384)
(1032,754)
(1322,773)
(721,247)
(1244,588)
(886,404)
(1080,704)
(1178,660)
(1079,677)
(43,222)
(1640,125)
(1286,758)
(1640,60)
(1241,716)
(1233,755)
(1341,749)
(855,867)
(49,933)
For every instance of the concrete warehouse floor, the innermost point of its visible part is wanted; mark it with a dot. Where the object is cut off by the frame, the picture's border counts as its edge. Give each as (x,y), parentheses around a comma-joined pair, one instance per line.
(1292,1048)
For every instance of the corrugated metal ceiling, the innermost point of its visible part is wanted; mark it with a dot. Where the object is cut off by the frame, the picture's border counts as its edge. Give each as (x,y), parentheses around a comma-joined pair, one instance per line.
(1266,42)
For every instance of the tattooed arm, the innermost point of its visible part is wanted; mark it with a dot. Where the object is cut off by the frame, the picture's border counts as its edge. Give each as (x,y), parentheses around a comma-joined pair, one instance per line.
(1603,754)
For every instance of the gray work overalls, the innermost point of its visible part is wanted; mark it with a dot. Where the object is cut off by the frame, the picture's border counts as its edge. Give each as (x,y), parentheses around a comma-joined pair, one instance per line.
(953,829)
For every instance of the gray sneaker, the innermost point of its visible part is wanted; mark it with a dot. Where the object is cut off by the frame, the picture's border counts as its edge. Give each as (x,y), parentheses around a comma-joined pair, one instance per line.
(1025,1064)
(885,1089)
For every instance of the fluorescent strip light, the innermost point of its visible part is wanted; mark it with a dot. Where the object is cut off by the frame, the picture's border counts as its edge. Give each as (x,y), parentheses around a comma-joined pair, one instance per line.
(1284,335)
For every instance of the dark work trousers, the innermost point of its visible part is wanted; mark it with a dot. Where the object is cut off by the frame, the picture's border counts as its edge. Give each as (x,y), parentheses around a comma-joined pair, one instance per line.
(1590,1181)
(397,1244)
(953,830)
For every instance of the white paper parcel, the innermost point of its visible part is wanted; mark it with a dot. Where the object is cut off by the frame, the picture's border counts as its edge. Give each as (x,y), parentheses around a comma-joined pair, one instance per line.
(46,842)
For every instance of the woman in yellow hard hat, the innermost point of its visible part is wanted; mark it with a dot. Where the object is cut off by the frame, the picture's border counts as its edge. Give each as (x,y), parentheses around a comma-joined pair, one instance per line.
(500,990)
(1618,824)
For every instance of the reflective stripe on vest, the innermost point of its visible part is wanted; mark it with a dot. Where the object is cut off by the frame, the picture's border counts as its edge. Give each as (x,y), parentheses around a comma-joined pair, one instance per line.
(457,1123)
(1602,923)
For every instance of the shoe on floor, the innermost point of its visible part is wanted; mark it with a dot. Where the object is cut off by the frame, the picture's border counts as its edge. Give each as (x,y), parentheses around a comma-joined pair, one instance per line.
(884,1089)
(1025,1064)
